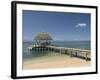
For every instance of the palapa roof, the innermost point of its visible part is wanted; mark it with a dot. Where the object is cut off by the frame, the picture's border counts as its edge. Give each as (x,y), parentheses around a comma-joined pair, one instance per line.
(43,36)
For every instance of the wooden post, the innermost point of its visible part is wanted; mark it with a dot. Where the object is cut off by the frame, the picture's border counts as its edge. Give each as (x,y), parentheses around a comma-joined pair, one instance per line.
(60,51)
(76,53)
(43,49)
(86,56)
(65,51)
(71,54)
(35,49)
(39,48)
(48,48)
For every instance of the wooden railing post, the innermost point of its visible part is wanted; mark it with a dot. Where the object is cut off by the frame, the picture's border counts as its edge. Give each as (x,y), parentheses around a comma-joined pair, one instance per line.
(86,56)
(71,53)
(76,53)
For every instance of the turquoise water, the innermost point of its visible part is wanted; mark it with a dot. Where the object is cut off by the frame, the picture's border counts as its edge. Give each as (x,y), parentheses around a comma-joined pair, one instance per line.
(70,44)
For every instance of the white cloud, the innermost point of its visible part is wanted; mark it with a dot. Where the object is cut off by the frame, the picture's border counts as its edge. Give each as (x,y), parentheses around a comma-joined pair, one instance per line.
(81,25)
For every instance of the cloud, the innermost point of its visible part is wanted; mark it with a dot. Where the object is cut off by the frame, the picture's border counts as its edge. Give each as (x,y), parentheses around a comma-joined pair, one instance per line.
(81,25)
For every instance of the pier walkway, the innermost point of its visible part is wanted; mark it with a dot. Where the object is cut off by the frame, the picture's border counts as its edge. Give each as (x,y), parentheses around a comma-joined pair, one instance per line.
(72,52)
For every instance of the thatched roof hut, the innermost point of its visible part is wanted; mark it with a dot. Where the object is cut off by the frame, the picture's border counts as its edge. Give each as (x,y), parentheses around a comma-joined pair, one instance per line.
(43,38)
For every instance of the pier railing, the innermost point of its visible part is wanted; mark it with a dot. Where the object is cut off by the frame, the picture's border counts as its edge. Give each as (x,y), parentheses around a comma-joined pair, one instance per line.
(72,52)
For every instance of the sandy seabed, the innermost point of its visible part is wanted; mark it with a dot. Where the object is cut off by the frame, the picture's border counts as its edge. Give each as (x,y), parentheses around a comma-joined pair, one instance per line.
(57,61)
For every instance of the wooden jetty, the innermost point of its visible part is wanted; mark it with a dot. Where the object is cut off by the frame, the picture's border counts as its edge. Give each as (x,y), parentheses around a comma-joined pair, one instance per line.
(72,52)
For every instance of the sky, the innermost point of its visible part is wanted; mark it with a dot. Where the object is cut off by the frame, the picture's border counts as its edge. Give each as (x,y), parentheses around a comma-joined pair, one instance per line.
(60,25)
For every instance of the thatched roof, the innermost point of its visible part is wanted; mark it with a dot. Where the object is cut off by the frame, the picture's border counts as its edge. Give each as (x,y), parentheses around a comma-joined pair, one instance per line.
(43,36)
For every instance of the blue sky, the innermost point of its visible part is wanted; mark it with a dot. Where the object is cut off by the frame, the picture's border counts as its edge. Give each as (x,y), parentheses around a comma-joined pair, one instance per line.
(60,25)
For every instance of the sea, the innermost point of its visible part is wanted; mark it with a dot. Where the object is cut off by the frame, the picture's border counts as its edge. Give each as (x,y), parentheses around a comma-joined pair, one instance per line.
(69,44)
